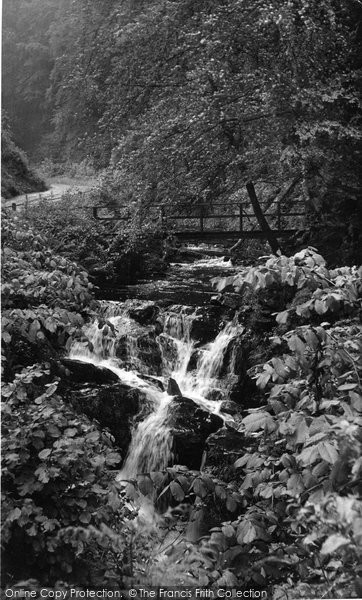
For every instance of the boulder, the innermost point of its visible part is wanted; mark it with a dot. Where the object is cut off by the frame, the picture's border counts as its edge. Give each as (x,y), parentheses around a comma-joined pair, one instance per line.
(141,352)
(114,406)
(206,324)
(194,360)
(190,425)
(223,447)
(145,314)
(240,386)
(173,388)
(168,347)
(80,372)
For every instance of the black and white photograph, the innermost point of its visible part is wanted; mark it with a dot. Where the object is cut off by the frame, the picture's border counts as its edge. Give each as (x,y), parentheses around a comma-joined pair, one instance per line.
(181,199)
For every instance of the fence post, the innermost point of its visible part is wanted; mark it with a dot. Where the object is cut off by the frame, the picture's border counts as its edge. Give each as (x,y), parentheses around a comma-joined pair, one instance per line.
(162,216)
(13,206)
(240,216)
(279,217)
(95,212)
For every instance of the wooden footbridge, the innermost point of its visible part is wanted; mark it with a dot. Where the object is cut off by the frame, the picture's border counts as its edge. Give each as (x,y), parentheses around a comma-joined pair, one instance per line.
(213,222)
(219,222)
(203,222)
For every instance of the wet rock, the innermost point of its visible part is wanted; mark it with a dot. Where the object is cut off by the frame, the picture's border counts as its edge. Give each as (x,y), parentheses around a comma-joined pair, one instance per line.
(168,348)
(190,425)
(230,408)
(194,360)
(114,406)
(157,382)
(206,324)
(223,447)
(79,371)
(173,388)
(239,384)
(216,395)
(149,353)
(141,352)
(145,314)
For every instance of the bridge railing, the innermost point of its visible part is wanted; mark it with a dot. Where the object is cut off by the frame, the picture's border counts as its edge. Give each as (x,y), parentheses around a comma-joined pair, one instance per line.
(231,217)
(199,217)
(183,218)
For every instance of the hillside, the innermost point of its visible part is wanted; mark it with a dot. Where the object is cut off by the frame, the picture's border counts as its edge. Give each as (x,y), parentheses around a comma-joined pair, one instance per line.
(16,175)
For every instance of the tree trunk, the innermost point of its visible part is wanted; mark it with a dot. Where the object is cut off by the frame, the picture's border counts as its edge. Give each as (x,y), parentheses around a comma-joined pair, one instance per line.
(264,226)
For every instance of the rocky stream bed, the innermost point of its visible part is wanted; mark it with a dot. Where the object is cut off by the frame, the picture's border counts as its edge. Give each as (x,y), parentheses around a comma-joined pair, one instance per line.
(164,369)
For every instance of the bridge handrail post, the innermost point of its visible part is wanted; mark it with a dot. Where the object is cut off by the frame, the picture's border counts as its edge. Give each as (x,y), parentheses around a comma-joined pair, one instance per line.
(201,218)
(241,216)
(279,216)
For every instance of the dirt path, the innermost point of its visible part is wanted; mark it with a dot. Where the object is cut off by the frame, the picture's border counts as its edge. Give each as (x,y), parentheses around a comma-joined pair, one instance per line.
(56,189)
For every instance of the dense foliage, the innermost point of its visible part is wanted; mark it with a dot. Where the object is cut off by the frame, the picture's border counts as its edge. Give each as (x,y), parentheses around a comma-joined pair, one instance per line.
(60,495)
(60,501)
(43,296)
(187,100)
(113,252)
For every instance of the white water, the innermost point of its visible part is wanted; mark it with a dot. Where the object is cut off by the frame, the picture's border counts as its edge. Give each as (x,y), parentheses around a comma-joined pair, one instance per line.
(151,445)
(197,383)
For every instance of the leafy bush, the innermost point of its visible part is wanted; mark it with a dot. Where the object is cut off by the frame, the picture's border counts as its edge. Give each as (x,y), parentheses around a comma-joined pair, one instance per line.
(33,275)
(60,497)
(44,296)
(330,293)
(61,504)
(113,252)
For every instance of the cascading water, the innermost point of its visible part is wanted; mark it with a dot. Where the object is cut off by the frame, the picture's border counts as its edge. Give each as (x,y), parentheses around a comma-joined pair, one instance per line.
(150,448)
(198,384)
(151,445)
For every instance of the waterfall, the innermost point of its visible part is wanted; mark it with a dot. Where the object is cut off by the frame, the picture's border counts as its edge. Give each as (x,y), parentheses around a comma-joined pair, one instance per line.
(151,445)
(177,328)
(199,383)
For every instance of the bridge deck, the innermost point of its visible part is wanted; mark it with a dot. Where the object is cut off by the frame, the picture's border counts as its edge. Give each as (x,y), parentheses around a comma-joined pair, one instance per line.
(228,235)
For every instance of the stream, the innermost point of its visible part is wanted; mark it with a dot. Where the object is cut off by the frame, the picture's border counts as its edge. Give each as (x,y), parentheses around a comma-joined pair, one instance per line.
(164,350)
